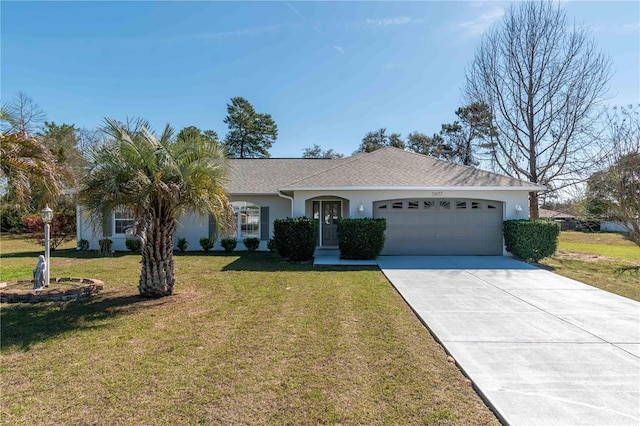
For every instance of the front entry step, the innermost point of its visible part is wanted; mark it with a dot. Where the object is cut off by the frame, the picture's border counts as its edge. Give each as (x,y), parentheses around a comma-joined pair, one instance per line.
(324,256)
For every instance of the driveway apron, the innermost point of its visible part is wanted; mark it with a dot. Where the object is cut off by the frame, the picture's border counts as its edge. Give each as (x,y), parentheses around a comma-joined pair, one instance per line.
(540,348)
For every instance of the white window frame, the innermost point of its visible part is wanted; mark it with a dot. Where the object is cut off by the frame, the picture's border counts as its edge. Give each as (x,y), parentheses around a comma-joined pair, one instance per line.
(241,208)
(129,220)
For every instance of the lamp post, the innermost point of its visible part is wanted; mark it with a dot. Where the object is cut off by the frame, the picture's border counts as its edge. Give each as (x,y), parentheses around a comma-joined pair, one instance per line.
(47,216)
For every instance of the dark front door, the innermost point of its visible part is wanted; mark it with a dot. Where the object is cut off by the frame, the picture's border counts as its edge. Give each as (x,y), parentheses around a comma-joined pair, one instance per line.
(330,216)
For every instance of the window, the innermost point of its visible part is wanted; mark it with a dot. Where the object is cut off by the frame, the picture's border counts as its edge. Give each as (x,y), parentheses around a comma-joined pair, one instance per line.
(414,204)
(429,204)
(475,205)
(461,204)
(445,204)
(124,220)
(396,205)
(491,206)
(248,219)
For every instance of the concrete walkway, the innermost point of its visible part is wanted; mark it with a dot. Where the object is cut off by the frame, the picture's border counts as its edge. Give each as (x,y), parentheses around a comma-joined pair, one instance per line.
(542,349)
(328,257)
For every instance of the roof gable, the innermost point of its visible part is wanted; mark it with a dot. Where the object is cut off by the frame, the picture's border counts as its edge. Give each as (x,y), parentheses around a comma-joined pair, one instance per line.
(394,167)
(384,168)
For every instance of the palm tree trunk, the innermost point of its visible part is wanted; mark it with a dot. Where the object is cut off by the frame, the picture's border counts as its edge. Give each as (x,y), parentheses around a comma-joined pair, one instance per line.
(157,277)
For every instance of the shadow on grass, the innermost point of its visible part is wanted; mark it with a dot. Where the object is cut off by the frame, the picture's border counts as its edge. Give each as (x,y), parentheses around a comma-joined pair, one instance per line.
(272,262)
(23,324)
(632,270)
(545,267)
(64,253)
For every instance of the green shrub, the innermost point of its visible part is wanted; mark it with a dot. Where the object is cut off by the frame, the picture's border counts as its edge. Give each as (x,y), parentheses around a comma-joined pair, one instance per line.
(182,244)
(280,237)
(271,245)
(83,245)
(531,240)
(228,244)
(361,238)
(62,228)
(295,238)
(105,247)
(133,244)
(206,243)
(251,244)
(10,219)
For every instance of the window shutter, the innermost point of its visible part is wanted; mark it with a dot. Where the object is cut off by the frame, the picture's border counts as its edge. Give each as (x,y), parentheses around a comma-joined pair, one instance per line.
(264,223)
(212,226)
(107,225)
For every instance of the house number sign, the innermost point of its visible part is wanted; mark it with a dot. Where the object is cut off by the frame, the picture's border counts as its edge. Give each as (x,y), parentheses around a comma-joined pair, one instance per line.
(436,194)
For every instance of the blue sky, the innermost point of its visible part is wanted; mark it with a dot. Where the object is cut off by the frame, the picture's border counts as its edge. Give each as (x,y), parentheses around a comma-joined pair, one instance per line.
(328,72)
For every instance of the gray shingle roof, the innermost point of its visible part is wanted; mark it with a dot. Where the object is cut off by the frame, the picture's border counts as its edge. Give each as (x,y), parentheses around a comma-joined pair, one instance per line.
(268,175)
(384,168)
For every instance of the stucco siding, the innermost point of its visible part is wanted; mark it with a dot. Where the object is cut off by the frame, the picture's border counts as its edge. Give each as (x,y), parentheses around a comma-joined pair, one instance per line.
(190,226)
(367,198)
(509,198)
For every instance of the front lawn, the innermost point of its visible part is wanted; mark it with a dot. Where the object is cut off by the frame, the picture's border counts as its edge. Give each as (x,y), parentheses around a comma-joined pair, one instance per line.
(246,339)
(598,259)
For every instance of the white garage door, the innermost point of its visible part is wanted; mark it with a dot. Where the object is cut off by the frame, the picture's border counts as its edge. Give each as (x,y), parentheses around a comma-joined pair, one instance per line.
(441,226)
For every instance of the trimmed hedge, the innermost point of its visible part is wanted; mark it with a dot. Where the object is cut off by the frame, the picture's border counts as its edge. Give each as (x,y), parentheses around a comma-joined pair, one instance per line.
(531,240)
(182,244)
(105,246)
(295,238)
(83,245)
(207,243)
(251,244)
(228,244)
(133,244)
(361,238)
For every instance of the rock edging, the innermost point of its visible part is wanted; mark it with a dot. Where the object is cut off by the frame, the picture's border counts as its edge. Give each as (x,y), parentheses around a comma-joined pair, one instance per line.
(90,287)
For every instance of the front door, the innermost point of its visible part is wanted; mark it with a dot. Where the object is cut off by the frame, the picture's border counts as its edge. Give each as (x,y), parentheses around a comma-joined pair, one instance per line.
(329,221)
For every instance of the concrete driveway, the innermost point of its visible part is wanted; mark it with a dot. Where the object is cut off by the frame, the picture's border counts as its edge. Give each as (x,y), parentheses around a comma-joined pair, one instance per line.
(542,349)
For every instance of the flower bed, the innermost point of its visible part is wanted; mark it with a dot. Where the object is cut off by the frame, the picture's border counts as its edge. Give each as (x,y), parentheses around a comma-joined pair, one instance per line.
(59,290)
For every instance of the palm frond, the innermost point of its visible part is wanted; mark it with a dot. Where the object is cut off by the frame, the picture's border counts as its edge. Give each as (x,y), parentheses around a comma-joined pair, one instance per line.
(156,175)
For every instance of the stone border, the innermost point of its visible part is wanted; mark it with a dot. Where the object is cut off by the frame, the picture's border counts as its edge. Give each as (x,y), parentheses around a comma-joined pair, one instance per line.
(90,288)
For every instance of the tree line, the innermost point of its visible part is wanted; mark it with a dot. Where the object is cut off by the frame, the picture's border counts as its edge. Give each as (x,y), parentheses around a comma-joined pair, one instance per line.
(464,141)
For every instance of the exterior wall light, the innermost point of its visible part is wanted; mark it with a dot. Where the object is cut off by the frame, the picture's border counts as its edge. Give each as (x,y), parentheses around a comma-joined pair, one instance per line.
(518,209)
(361,209)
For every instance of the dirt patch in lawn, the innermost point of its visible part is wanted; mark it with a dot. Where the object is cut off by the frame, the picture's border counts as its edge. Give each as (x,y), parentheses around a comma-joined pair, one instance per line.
(586,257)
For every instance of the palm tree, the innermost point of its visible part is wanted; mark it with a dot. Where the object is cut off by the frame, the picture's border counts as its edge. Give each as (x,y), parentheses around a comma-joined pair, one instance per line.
(158,179)
(26,163)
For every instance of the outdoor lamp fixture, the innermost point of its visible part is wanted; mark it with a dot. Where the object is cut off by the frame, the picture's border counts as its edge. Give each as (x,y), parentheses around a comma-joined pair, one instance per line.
(47,216)
(518,209)
(361,209)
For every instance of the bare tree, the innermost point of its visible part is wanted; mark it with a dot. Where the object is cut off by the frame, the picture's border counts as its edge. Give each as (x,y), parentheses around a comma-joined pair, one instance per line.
(543,80)
(614,191)
(26,116)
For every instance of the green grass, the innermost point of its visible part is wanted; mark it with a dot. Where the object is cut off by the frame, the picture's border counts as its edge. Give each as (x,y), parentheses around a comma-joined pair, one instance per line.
(598,259)
(608,244)
(246,339)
